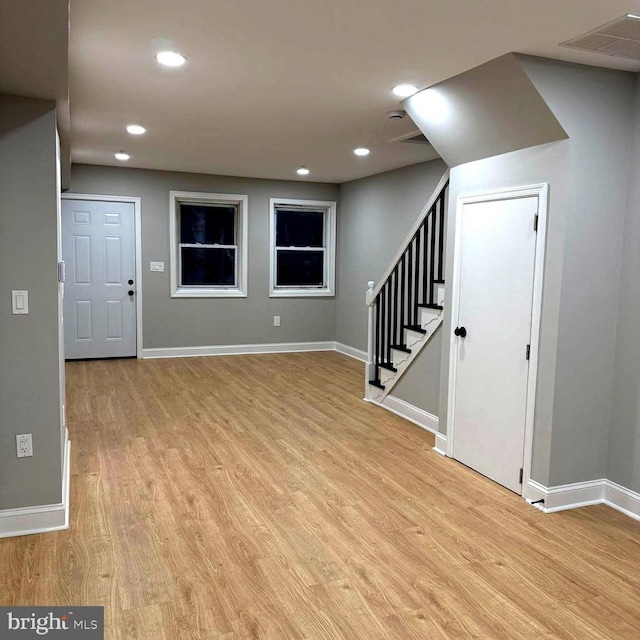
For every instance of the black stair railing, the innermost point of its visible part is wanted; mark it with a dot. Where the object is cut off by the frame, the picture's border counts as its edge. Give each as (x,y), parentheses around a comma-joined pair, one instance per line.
(408,285)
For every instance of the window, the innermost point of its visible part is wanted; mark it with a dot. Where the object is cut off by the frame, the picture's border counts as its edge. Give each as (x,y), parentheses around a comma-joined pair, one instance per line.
(208,245)
(303,236)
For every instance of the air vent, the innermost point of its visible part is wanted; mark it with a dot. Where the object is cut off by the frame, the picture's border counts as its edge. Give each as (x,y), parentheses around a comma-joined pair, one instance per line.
(415,137)
(620,38)
(419,139)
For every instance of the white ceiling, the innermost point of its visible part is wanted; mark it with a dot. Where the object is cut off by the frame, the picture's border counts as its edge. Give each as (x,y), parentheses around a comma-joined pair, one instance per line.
(26,69)
(272,85)
(34,52)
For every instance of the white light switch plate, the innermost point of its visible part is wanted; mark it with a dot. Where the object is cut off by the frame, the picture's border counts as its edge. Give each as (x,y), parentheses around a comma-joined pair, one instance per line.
(20,302)
(156,266)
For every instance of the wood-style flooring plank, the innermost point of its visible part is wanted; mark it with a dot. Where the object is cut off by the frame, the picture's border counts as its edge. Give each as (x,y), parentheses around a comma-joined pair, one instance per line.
(258,497)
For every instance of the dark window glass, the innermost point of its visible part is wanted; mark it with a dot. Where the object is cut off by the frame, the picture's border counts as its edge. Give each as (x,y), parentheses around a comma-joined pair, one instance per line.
(300,268)
(299,228)
(207,224)
(208,266)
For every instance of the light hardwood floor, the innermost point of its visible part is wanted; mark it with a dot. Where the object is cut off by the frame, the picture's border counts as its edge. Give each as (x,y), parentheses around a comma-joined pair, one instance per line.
(247,497)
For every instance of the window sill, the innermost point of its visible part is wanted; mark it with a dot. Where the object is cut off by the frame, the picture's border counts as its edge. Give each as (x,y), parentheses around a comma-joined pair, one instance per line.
(301,293)
(208,293)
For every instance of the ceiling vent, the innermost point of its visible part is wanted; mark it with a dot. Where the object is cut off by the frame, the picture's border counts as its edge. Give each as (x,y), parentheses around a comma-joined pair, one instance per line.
(419,139)
(415,137)
(620,38)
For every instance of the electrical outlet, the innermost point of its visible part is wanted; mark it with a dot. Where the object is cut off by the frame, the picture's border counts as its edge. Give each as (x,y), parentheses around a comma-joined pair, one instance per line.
(24,445)
(276,321)
(156,266)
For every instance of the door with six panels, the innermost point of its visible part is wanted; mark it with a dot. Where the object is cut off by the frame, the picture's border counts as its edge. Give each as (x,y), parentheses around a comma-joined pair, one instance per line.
(98,247)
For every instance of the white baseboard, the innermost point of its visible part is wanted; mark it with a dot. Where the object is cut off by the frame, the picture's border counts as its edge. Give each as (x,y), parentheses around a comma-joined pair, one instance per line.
(441,444)
(409,412)
(42,518)
(352,352)
(567,496)
(248,349)
(583,494)
(622,499)
(535,492)
(237,349)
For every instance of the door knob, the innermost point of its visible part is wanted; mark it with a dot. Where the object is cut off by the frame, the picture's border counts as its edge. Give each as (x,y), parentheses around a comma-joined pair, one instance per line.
(130,281)
(460,331)
(130,292)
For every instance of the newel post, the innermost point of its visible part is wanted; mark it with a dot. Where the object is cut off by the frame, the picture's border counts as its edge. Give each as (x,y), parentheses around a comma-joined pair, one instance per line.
(370,368)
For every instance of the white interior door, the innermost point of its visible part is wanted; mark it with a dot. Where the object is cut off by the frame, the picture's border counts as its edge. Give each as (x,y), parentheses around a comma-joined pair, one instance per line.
(497,252)
(98,245)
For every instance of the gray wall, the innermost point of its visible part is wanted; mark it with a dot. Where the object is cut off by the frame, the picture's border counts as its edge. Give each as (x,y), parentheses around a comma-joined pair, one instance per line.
(623,462)
(420,384)
(595,107)
(376,214)
(29,354)
(173,322)
(587,177)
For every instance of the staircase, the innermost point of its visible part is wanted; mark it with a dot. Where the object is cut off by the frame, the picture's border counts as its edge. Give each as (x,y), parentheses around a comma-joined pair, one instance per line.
(406,306)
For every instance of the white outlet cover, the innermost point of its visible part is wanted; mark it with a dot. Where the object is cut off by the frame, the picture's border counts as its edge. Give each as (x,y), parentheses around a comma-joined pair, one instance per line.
(276,321)
(24,445)
(156,266)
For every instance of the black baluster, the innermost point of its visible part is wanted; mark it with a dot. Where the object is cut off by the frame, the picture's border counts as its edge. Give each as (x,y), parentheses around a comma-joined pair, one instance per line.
(441,237)
(409,282)
(432,255)
(390,321)
(383,323)
(377,340)
(425,257)
(402,297)
(395,303)
(416,285)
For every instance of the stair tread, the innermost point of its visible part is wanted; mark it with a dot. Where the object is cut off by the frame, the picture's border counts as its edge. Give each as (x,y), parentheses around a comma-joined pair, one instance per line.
(375,383)
(415,327)
(401,347)
(387,365)
(426,305)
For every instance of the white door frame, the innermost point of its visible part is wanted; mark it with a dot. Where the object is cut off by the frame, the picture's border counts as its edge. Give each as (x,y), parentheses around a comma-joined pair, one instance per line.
(542,193)
(137,205)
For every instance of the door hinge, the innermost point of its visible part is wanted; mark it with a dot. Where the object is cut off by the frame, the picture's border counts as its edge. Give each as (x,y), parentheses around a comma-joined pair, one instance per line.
(535,222)
(61,271)
(521,475)
(528,351)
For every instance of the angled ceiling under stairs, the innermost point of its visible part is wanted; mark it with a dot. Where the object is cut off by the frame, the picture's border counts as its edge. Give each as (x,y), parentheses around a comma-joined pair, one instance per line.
(489,110)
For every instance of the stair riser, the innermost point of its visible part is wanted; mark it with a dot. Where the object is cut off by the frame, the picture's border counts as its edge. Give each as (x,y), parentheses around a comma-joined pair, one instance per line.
(427,316)
(431,319)
(399,357)
(388,377)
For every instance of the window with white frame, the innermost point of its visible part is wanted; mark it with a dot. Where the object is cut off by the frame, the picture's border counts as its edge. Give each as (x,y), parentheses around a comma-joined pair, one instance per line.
(208,245)
(303,247)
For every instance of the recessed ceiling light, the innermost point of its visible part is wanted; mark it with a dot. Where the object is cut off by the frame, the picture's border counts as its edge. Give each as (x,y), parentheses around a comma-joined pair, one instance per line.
(404,90)
(135,129)
(121,155)
(170,58)
(303,171)
(362,151)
